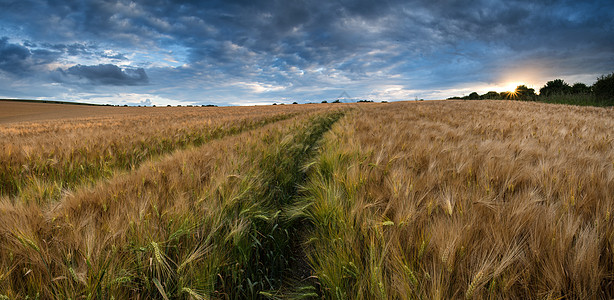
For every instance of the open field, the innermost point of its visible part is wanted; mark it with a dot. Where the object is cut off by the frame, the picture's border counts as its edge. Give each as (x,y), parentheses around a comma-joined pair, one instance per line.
(429,200)
(23,111)
(463,200)
(41,158)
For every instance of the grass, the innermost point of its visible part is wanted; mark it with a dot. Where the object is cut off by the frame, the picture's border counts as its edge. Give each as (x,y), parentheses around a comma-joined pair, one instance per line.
(435,200)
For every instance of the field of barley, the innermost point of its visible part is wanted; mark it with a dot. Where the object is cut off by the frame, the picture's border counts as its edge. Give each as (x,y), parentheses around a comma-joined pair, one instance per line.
(404,200)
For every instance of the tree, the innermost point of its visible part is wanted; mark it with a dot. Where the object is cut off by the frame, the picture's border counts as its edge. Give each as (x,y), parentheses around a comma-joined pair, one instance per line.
(555,87)
(604,89)
(524,93)
(580,88)
(473,96)
(492,95)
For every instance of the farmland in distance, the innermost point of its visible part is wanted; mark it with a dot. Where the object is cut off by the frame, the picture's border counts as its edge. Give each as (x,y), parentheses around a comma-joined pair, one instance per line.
(404,200)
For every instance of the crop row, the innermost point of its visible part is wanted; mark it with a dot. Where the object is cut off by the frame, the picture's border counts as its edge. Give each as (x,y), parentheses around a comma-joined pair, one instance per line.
(455,200)
(38,168)
(202,222)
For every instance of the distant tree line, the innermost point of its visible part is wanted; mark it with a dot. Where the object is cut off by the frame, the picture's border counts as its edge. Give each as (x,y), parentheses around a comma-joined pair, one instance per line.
(339,101)
(601,93)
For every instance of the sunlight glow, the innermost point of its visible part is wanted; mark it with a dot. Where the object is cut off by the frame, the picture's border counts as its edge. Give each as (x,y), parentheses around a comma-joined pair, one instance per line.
(511,86)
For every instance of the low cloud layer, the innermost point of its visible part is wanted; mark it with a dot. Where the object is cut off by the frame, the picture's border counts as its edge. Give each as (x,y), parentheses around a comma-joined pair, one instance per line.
(225,51)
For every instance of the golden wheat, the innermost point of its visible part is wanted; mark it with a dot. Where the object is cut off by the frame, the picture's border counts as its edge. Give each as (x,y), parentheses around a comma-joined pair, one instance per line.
(39,160)
(437,200)
(179,226)
(465,199)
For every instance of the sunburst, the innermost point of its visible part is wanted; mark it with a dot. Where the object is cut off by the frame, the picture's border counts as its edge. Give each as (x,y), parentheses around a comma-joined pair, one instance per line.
(510,89)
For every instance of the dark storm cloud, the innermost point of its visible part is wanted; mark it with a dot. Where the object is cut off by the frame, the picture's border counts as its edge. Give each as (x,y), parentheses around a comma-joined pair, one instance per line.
(293,45)
(13,57)
(106,74)
(20,60)
(342,35)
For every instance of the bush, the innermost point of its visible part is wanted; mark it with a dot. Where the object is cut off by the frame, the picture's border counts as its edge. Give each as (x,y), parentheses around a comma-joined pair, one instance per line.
(604,89)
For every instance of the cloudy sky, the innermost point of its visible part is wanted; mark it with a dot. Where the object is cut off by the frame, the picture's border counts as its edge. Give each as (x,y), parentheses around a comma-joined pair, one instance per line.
(255,52)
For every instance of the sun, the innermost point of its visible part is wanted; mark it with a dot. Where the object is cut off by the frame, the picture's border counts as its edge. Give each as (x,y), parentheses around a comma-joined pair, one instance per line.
(511,86)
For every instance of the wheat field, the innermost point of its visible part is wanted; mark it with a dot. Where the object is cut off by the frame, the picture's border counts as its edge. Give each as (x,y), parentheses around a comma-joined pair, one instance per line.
(404,200)
(445,200)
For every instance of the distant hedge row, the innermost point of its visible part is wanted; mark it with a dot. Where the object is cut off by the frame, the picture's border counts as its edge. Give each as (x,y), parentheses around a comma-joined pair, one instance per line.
(601,93)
